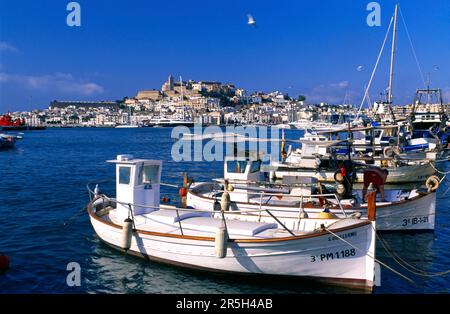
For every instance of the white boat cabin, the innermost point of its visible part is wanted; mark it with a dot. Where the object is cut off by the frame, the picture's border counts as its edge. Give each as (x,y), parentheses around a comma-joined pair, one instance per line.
(241,172)
(242,168)
(243,176)
(137,182)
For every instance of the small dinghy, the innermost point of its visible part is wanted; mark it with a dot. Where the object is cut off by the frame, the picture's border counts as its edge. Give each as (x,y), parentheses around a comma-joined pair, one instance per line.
(8,141)
(332,250)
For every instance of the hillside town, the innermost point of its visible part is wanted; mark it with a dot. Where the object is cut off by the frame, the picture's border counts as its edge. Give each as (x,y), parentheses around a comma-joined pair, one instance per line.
(205,102)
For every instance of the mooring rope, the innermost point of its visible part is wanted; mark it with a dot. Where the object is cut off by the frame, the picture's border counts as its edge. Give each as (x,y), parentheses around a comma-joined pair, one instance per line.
(438,171)
(372,257)
(405,265)
(74,217)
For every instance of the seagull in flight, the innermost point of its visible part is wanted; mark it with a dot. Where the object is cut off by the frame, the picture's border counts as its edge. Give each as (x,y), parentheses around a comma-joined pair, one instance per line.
(250,20)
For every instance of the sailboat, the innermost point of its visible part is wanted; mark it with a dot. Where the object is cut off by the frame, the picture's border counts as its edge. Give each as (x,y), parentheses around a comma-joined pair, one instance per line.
(173,121)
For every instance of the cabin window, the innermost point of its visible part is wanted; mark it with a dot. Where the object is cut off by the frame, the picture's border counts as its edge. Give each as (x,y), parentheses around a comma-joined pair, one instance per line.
(236,166)
(377,133)
(149,174)
(256,166)
(124,175)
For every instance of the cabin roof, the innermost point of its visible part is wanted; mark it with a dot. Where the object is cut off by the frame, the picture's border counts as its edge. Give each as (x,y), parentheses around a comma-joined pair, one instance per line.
(133,161)
(245,155)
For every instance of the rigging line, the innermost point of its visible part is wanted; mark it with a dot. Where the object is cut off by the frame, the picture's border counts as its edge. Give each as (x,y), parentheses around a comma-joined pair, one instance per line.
(375,67)
(412,48)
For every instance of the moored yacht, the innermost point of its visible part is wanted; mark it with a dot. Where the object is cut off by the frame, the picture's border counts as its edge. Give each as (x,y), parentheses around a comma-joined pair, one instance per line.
(169,122)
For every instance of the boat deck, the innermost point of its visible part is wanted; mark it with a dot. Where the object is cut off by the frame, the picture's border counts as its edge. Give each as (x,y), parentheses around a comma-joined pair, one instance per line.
(205,224)
(200,224)
(293,200)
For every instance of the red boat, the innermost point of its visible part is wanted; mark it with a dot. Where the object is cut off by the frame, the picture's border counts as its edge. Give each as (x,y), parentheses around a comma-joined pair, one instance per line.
(6,120)
(19,124)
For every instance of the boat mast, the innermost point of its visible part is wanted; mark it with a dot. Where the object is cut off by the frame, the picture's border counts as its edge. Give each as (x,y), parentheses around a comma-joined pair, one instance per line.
(182,98)
(391,71)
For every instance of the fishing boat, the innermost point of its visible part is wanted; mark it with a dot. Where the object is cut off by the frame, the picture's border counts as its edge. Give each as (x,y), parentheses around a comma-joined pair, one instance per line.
(335,251)
(320,157)
(428,119)
(8,141)
(299,196)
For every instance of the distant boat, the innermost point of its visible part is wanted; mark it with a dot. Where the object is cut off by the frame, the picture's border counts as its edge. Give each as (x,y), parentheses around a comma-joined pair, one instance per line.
(283,126)
(301,124)
(8,141)
(428,120)
(317,125)
(165,122)
(127,126)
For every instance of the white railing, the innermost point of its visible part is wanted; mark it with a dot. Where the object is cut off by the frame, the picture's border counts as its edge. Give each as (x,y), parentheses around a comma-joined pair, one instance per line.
(261,193)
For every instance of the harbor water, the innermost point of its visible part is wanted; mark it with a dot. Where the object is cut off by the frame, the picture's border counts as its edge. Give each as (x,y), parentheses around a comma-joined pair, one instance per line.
(44,225)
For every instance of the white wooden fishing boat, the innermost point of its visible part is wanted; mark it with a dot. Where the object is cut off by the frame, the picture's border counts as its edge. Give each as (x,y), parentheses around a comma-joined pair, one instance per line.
(402,209)
(337,251)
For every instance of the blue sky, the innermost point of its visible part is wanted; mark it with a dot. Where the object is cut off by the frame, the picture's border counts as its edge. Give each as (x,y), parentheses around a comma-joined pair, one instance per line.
(300,47)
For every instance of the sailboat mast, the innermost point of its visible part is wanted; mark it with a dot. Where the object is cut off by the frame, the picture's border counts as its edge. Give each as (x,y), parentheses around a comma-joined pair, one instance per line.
(182,98)
(391,71)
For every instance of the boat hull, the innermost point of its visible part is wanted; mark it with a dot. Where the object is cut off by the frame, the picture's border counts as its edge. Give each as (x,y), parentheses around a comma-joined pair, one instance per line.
(321,257)
(7,143)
